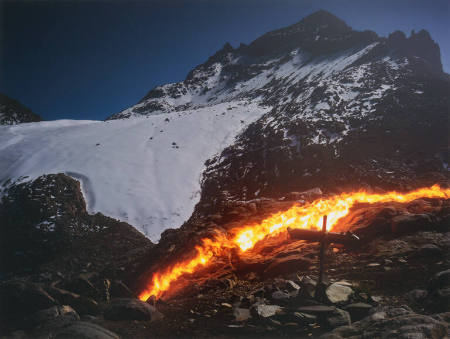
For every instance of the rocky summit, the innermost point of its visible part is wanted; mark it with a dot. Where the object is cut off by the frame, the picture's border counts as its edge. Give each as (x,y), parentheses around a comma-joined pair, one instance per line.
(296,117)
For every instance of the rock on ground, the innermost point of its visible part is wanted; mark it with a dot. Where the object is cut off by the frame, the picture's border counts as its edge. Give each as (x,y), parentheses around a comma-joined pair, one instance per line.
(131,309)
(338,293)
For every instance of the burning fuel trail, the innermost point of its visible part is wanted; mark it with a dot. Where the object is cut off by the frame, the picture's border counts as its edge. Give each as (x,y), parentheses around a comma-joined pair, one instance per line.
(307,216)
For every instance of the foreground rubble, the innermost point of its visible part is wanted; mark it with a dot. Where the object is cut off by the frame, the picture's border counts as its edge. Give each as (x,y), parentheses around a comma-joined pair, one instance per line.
(394,286)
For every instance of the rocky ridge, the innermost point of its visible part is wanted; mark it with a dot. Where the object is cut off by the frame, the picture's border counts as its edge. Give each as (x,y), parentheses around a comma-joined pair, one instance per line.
(13,112)
(284,66)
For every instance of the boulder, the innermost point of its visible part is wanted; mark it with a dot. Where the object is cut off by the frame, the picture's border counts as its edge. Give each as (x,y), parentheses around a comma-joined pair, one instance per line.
(358,311)
(66,313)
(47,322)
(337,293)
(266,311)
(131,309)
(337,318)
(84,330)
(280,296)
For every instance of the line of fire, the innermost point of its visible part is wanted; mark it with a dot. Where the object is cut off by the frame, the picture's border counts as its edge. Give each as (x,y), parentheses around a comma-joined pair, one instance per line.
(316,221)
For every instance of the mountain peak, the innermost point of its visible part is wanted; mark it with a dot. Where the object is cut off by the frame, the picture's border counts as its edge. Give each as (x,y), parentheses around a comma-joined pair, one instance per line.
(319,33)
(323,17)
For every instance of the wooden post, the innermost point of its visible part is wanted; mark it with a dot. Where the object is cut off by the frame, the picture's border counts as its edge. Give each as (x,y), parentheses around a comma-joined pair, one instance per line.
(322,248)
(320,288)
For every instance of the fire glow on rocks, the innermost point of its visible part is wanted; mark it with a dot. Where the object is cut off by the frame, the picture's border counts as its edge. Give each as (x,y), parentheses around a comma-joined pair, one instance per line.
(308,216)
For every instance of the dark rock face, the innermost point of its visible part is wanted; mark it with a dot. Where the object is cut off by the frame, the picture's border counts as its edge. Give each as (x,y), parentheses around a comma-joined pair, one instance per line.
(59,262)
(46,221)
(13,112)
(418,44)
(30,230)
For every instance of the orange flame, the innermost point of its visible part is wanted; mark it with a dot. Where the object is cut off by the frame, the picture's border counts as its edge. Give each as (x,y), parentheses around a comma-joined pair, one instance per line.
(308,216)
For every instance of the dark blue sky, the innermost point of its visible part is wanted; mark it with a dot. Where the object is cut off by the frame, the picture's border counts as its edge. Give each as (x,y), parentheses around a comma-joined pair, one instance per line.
(87,60)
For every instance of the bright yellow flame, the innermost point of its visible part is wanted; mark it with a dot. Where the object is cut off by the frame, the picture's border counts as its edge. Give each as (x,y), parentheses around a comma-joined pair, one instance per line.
(308,216)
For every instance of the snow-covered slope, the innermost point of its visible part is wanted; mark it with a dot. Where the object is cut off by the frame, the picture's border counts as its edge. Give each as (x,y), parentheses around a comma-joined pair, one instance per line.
(268,81)
(145,171)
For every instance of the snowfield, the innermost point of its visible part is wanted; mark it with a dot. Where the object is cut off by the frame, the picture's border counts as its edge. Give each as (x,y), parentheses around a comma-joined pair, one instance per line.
(143,170)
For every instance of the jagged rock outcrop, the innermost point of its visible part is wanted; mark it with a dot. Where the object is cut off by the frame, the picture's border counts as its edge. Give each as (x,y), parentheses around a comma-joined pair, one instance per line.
(13,112)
